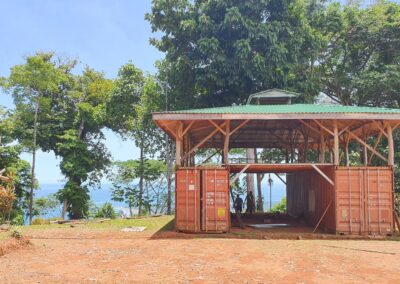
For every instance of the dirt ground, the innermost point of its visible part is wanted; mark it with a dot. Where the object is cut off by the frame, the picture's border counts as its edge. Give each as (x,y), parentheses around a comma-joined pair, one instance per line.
(86,255)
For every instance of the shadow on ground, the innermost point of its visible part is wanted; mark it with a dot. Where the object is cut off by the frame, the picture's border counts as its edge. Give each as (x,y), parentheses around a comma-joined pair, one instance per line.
(295,230)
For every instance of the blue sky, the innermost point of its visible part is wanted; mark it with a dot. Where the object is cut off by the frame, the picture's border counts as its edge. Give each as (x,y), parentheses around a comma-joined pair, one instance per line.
(102,34)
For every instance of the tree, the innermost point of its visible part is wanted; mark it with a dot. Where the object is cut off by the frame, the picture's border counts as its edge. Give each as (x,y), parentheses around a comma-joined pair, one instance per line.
(360,63)
(219,52)
(126,187)
(32,84)
(84,155)
(106,211)
(12,163)
(137,96)
(45,205)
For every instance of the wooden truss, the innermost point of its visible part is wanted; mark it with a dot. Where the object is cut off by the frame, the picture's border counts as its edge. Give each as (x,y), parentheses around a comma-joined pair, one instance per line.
(330,137)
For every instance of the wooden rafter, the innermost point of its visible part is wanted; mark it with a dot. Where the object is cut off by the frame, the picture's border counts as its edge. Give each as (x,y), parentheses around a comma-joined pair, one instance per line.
(232,181)
(278,176)
(309,126)
(366,145)
(187,128)
(378,139)
(217,126)
(204,140)
(324,127)
(382,129)
(239,126)
(323,174)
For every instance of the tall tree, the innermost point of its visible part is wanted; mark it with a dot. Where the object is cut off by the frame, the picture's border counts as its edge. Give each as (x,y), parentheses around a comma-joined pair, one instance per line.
(32,85)
(125,187)
(81,143)
(130,105)
(360,64)
(218,52)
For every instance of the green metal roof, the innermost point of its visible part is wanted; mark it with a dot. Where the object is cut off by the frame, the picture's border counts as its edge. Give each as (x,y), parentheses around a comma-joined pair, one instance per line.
(288,109)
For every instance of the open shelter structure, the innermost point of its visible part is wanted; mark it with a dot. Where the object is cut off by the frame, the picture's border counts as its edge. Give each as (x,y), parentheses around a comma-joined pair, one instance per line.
(321,183)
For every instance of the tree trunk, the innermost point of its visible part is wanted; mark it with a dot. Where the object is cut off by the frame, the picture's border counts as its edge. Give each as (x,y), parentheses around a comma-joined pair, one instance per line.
(259,192)
(64,209)
(33,163)
(141,176)
(250,177)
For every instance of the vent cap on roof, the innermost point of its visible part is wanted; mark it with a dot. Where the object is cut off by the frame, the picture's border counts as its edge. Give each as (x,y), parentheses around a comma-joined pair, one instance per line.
(271,97)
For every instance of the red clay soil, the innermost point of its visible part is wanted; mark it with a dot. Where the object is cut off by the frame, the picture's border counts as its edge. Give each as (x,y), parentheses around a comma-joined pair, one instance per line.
(12,244)
(84,256)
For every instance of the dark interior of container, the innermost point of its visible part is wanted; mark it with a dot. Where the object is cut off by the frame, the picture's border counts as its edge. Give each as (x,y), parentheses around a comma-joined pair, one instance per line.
(308,196)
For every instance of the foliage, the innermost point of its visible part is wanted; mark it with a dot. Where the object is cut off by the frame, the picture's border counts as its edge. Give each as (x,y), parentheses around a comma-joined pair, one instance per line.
(71,112)
(106,211)
(10,161)
(397,203)
(125,187)
(7,197)
(218,52)
(360,61)
(16,234)
(43,206)
(132,101)
(279,207)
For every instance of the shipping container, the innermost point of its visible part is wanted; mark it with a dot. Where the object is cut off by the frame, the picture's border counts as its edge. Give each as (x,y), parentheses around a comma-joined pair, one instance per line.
(215,200)
(202,200)
(364,200)
(187,200)
(361,202)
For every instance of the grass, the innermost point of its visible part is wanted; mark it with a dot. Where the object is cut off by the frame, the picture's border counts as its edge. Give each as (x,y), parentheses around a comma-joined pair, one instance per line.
(151,224)
(4,236)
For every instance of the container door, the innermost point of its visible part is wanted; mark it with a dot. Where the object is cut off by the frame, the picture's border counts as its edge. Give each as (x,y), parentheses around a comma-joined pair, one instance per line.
(350,200)
(187,205)
(215,200)
(378,201)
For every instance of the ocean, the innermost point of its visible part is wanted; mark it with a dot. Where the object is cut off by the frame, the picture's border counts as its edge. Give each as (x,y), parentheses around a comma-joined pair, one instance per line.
(101,195)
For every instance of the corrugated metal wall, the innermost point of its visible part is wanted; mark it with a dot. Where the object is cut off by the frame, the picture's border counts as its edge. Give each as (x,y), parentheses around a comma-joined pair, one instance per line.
(362,199)
(309,194)
(187,200)
(215,209)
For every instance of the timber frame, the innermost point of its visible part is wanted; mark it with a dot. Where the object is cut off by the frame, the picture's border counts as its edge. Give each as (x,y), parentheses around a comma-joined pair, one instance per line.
(328,134)
(313,139)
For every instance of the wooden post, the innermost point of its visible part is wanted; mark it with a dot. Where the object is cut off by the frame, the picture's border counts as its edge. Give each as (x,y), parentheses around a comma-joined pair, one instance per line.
(305,150)
(178,142)
(365,151)
(335,144)
(226,143)
(322,149)
(390,146)
(346,149)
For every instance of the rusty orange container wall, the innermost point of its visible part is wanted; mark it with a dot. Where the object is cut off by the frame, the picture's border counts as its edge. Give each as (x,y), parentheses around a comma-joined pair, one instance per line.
(187,200)
(309,194)
(215,200)
(364,200)
(361,200)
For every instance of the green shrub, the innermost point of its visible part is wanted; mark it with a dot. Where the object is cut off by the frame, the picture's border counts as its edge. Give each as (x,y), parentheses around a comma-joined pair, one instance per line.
(18,220)
(40,221)
(16,234)
(280,207)
(106,211)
